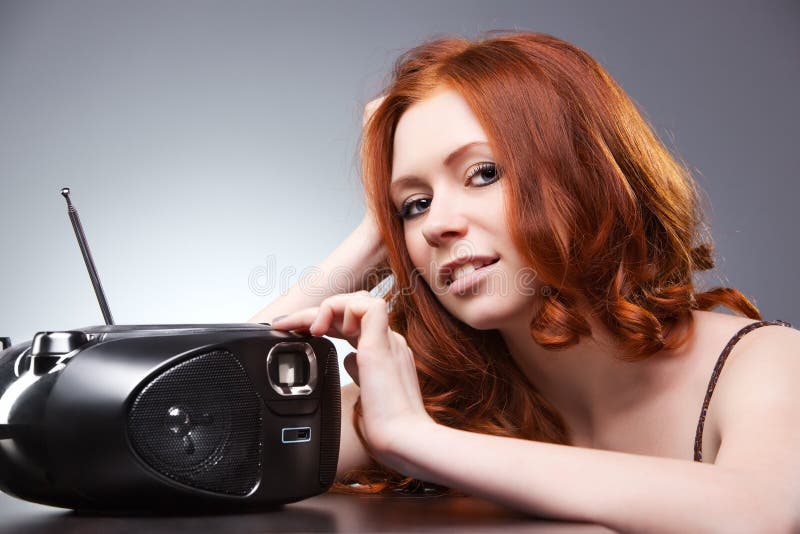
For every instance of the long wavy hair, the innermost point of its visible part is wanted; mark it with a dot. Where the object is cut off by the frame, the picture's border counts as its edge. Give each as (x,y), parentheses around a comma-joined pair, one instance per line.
(596,204)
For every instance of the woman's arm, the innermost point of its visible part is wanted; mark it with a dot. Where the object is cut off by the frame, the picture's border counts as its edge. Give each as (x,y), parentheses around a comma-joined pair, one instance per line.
(352,454)
(753,487)
(625,492)
(343,271)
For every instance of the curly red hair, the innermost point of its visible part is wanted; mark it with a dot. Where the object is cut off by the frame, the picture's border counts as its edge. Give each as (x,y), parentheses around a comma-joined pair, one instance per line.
(599,208)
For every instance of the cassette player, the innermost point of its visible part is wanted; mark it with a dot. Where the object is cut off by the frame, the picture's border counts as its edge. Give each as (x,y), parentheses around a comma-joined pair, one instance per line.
(155,417)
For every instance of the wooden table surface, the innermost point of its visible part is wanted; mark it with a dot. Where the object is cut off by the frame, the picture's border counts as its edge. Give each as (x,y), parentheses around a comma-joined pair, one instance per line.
(325,513)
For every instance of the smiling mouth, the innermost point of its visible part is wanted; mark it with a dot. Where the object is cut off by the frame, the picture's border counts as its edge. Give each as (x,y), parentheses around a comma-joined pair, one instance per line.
(465,270)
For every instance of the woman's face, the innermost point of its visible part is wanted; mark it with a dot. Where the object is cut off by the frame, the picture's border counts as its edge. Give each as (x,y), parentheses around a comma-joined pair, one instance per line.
(450,195)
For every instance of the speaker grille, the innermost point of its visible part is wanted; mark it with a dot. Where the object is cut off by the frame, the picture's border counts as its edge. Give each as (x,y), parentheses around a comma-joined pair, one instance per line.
(331,421)
(199,423)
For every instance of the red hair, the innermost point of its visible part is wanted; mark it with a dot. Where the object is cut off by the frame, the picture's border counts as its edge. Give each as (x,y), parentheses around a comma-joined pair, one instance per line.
(598,207)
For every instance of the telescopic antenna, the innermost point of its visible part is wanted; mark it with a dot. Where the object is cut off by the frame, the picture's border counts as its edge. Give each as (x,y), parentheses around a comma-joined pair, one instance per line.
(87,257)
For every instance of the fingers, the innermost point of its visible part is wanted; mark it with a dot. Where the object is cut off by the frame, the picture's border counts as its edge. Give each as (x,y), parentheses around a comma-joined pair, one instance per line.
(299,320)
(346,308)
(351,323)
(405,367)
(383,366)
(398,347)
(370,108)
(375,332)
(337,316)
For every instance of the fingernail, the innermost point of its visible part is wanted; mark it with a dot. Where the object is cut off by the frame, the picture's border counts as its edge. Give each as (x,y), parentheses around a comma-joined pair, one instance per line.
(278,318)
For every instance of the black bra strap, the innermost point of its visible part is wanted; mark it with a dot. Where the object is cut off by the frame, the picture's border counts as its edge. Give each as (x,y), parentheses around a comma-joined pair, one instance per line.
(698,438)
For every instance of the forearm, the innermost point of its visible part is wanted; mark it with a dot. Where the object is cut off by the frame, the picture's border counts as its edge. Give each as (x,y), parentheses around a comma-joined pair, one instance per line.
(343,271)
(625,492)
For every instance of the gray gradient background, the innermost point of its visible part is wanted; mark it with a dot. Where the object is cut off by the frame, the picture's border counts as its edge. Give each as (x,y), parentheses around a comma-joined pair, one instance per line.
(204,140)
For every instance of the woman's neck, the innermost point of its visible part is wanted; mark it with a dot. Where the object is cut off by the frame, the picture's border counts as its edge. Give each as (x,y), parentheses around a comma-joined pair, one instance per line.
(589,384)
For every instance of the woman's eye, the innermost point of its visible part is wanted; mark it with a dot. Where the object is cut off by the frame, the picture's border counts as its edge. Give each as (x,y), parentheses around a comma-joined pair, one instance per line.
(486,173)
(480,175)
(413,207)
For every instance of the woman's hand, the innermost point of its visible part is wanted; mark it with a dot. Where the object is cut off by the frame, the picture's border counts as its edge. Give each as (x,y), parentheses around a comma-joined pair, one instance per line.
(370,108)
(369,226)
(393,411)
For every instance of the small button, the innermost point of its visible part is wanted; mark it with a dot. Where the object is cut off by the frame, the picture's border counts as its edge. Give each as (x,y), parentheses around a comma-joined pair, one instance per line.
(56,343)
(48,348)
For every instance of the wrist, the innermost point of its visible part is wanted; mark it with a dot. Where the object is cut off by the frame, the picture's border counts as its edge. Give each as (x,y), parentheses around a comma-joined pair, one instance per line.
(406,450)
(353,263)
(368,237)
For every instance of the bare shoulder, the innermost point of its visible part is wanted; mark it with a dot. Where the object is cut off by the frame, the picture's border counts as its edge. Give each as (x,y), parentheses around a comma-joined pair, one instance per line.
(715,327)
(764,351)
(756,398)
(767,345)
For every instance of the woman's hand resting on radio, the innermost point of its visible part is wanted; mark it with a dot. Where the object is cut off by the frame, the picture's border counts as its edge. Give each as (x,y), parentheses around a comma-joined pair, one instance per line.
(393,411)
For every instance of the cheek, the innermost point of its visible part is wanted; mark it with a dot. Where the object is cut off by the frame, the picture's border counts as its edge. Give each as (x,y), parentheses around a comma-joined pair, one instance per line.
(416,250)
(500,212)
(420,254)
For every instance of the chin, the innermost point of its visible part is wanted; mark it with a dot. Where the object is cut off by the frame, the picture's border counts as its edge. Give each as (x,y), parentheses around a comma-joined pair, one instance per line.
(484,324)
(482,316)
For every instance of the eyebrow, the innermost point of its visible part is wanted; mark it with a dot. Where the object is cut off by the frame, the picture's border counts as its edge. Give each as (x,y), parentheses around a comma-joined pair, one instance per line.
(447,162)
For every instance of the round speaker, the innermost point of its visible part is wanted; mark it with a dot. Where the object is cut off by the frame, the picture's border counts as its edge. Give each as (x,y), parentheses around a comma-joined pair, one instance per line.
(199,423)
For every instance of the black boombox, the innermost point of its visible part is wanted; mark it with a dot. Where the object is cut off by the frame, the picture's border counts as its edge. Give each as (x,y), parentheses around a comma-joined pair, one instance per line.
(167,417)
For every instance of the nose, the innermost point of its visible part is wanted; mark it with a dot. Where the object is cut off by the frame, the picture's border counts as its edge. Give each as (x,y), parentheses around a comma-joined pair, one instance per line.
(444,221)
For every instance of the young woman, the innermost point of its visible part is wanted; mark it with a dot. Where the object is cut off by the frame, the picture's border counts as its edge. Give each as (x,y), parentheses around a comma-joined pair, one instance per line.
(543,344)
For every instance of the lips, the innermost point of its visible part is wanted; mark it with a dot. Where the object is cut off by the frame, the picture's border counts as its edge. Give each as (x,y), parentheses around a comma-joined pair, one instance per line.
(463,266)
